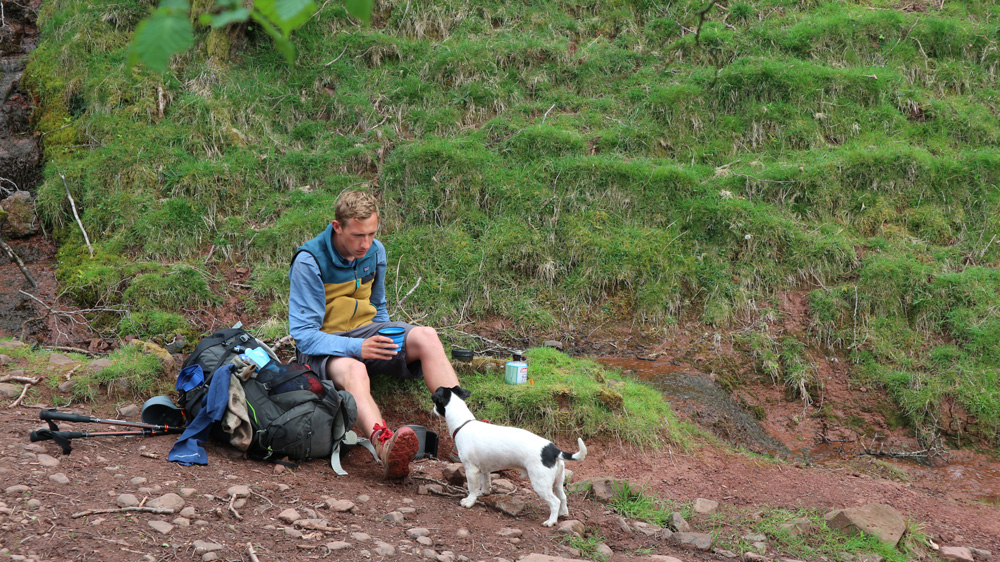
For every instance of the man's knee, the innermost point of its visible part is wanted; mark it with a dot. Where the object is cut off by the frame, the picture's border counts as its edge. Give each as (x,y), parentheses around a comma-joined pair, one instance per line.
(347,371)
(423,337)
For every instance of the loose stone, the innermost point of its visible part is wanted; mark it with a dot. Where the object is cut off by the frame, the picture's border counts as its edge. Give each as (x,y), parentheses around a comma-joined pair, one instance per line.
(161,526)
(59,478)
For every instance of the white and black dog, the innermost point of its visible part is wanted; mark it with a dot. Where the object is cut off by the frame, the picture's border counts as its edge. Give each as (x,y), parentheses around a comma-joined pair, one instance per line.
(484,448)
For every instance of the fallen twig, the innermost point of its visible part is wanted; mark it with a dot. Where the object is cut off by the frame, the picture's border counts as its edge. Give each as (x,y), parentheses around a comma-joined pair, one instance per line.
(20,264)
(158,510)
(232,508)
(17,378)
(79,223)
(24,392)
(251,553)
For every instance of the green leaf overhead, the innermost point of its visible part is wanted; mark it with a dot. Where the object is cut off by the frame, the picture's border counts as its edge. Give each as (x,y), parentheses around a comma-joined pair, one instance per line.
(166,33)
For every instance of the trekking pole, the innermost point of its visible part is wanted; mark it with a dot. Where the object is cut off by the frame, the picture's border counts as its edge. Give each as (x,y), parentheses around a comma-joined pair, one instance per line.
(63,438)
(49,415)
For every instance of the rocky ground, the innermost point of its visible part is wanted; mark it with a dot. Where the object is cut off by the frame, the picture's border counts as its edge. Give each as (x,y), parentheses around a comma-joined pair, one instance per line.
(117,498)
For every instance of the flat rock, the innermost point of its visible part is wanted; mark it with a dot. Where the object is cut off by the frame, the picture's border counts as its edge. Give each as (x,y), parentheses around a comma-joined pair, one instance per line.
(12,344)
(240,491)
(127,500)
(534,557)
(8,390)
(679,524)
(508,505)
(417,532)
(959,553)
(60,360)
(338,545)
(289,515)
(47,461)
(201,547)
(161,526)
(340,506)
(701,541)
(882,521)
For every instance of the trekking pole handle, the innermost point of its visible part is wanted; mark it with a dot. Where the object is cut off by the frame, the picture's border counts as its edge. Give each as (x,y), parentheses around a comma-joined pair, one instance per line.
(54,415)
(45,434)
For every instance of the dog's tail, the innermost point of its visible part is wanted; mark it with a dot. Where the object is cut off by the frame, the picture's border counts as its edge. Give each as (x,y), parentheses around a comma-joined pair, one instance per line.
(577,456)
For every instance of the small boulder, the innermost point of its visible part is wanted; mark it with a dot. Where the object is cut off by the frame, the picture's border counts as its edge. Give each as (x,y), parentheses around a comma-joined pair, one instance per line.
(880,520)
(289,516)
(705,507)
(21,221)
(959,553)
(167,501)
(678,523)
(700,541)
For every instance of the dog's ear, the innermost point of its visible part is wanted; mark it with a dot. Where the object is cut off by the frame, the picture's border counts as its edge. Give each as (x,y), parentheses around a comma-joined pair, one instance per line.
(440,395)
(461,392)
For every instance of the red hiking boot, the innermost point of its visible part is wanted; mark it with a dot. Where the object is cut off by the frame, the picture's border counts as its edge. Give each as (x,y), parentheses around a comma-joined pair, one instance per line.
(395,450)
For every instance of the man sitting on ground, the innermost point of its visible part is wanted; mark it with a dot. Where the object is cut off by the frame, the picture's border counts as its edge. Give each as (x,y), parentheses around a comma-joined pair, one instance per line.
(337,305)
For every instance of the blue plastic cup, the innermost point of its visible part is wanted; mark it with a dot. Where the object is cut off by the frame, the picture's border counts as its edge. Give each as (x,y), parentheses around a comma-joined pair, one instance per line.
(395,333)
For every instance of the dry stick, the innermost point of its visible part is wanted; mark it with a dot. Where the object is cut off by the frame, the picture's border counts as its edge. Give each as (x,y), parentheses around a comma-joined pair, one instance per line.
(27,380)
(232,509)
(159,510)
(251,553)
(72,204)
(24,392)
(14,257)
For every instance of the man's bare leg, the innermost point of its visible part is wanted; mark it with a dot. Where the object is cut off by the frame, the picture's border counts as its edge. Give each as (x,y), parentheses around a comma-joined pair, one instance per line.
(395,450)
(424,344)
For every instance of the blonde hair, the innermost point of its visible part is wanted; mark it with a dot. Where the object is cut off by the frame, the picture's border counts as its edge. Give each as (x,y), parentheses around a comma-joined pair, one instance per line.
(354,204)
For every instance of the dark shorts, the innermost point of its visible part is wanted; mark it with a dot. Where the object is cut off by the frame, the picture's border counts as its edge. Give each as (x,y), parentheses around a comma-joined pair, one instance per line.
(396,367)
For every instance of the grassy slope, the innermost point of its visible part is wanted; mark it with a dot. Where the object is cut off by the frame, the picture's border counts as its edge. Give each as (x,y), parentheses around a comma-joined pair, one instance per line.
(564,164)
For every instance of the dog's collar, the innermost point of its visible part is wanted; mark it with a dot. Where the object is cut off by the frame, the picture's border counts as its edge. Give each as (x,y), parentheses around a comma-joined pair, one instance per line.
(459,428)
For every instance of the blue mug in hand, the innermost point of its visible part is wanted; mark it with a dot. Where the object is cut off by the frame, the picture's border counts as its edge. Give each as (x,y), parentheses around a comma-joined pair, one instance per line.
(396,334)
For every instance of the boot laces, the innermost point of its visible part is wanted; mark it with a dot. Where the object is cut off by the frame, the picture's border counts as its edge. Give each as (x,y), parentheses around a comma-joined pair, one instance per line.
(381,433)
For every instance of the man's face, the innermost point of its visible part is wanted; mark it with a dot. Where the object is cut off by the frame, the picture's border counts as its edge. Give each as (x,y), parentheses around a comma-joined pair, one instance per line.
(354,237)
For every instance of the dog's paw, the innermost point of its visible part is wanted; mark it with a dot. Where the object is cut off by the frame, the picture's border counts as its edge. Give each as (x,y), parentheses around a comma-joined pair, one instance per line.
(549,523)
(468,502)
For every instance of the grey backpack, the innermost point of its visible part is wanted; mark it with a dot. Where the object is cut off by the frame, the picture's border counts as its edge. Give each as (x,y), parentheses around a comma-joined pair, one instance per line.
(300,424)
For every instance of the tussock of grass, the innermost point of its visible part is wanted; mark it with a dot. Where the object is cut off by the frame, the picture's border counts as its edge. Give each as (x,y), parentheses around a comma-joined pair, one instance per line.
(133,375)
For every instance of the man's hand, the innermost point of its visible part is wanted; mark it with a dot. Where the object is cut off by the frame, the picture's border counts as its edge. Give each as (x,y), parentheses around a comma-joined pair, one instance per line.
(378,347)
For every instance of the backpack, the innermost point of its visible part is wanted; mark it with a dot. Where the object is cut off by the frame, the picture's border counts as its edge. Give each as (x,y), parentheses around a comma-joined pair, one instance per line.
(211,353)
(294,414)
